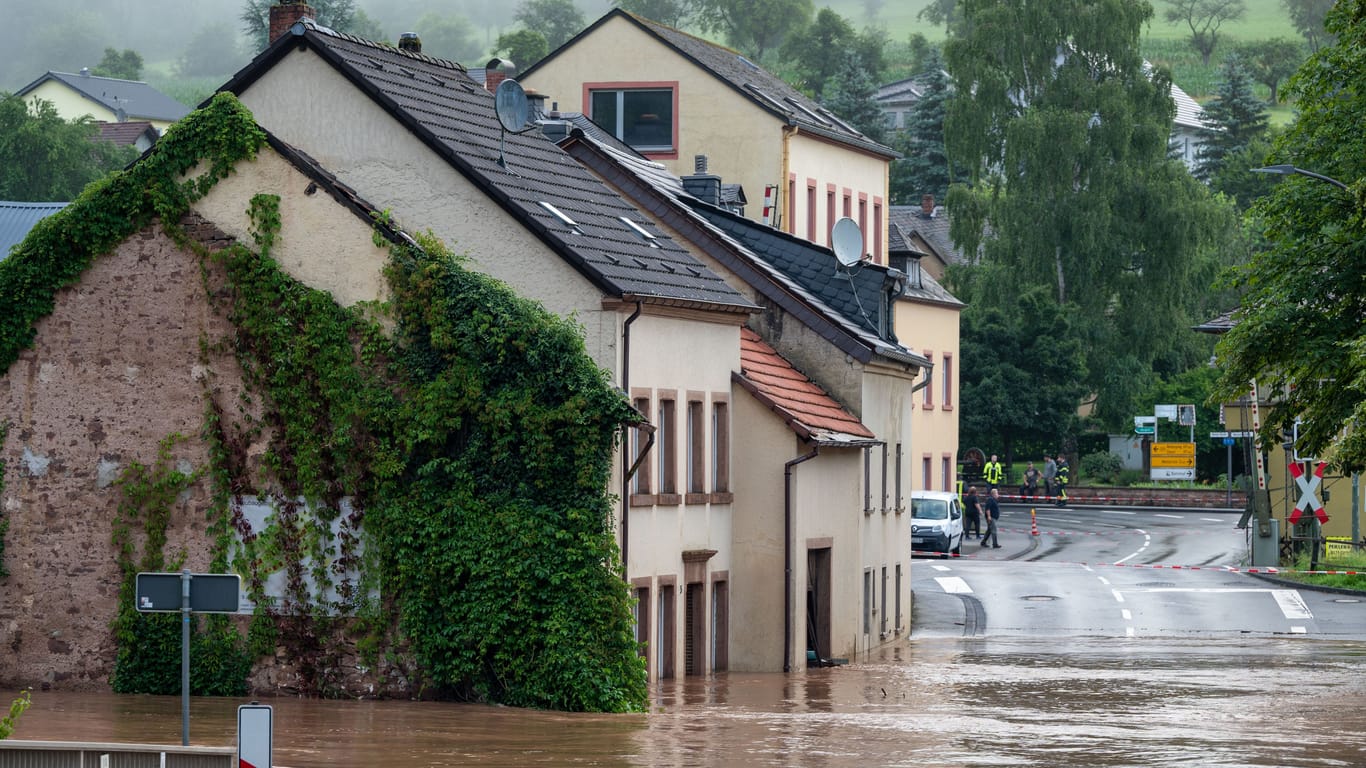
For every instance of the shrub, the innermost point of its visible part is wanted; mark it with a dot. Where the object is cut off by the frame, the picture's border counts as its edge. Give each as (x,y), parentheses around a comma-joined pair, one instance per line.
(1100,467)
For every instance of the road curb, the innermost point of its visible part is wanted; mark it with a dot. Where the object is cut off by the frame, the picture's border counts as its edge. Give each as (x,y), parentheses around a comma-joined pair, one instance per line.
(1284,582)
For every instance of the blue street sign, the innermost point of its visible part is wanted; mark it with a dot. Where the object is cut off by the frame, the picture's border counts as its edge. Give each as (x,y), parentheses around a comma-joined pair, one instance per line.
(1228,441)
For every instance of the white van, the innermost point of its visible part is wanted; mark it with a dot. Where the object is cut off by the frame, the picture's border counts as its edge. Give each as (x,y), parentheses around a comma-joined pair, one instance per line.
(936,523)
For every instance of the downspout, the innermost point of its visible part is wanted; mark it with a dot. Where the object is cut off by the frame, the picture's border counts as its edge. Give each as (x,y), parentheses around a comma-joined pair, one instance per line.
(628,466)
(784,188)
(787,554)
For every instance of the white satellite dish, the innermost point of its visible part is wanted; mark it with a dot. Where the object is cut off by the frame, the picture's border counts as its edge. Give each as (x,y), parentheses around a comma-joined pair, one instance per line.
(509,102)
(847,240)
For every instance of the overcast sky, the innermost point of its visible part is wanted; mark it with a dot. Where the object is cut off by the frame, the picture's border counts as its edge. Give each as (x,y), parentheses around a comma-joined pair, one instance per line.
(65,35)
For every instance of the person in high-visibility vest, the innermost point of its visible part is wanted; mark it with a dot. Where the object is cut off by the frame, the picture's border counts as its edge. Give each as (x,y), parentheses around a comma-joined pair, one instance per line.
(993,473)
(1064,474)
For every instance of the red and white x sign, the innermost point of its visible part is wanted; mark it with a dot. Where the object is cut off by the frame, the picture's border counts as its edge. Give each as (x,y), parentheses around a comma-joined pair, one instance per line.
(1309,492)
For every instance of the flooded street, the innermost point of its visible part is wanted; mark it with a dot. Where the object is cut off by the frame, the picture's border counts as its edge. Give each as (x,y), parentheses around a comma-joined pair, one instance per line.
(1082,701)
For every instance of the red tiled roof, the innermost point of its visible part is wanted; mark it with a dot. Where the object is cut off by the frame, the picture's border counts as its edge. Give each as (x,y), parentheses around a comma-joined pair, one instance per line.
(125,134)
(804,406)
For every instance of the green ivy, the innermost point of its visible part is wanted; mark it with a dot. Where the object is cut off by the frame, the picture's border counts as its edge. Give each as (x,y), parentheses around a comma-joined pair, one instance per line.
(472,441)
(16,708)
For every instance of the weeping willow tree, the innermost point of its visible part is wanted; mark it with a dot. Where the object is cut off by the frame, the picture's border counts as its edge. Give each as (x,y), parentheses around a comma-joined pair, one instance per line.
(1061,130)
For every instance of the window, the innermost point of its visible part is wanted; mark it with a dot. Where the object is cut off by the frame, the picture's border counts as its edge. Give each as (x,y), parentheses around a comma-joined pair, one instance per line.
(946,365)
(898,598)
(946,467)
(697,441)
(882,616)
(884,478)
(863,223)
(878,255)
(640,483)
(926,473)
(867,601)
(665,448)
(720,625)
(900,500)
(927,394)
(720,448)
(811,210)
(641,117)
(867,481)
(829,214)
(642,618)
(848,204)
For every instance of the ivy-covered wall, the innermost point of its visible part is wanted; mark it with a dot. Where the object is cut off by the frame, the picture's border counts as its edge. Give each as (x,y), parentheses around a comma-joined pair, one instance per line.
(452,446)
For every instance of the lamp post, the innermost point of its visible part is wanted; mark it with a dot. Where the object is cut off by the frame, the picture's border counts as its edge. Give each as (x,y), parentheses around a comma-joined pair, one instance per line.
(1290,170)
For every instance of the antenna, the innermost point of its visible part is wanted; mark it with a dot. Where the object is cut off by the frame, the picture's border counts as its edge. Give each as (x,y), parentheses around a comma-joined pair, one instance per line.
(847,241)
(510,104)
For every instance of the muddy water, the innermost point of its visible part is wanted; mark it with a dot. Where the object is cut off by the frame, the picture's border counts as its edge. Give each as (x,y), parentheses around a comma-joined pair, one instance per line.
(950,702)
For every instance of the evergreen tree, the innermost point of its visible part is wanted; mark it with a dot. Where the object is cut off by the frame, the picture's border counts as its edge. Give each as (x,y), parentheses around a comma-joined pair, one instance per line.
(557,20)
(1239,116)
(852,96)
(124,65)
(1070,187)
(923,167)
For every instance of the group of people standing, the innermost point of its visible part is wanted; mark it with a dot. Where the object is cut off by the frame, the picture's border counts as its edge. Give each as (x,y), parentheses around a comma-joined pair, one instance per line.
(1053,479)
(976,510)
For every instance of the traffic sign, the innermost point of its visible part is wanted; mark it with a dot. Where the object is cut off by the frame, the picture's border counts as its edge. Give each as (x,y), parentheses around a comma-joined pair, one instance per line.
(1144,430)
(1166,473)
(1233,435)
(1172,449)
(209,592)
(254,735)
(1229,441)
(1174,462)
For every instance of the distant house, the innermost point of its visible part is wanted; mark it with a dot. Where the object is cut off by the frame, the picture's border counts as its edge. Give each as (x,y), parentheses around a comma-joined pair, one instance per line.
(139,134)
(924,229)
(896,100)
(16,219)
(106,99)
(673,97)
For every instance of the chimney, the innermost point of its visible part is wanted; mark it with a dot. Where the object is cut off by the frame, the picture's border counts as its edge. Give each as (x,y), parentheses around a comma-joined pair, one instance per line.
(85,71)
(702,185)
(410,42)
(927,205)
(496,71)
(283,15)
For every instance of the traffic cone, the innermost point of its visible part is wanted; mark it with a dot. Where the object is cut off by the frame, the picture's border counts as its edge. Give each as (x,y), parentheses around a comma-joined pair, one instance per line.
(1033,524)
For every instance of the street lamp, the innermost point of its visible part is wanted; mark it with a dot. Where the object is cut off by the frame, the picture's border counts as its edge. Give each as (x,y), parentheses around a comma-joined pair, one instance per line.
(1290,170)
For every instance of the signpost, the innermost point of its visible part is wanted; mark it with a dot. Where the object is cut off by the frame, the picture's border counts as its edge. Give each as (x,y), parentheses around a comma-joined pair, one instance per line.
(1172,461)
(1229,439)
(254,736)
(187,592)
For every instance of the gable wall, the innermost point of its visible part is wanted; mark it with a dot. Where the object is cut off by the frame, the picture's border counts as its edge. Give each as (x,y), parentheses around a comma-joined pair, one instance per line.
(821,164)
(72,105)
(933,331)
(743,143)
(115,369)
(387,165)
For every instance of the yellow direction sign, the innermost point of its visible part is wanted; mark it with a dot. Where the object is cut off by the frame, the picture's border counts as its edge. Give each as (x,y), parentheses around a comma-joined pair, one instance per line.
(1172,449)
(1174,462)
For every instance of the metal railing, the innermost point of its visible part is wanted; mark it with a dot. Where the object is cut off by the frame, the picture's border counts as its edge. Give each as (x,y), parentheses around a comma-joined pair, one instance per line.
(75,754)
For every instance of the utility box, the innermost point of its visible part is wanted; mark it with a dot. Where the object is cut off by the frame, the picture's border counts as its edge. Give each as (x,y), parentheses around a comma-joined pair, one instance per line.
(1266,550)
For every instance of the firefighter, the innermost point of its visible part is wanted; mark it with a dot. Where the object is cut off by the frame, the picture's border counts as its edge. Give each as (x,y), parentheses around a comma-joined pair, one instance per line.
(1063,476)
(993,473)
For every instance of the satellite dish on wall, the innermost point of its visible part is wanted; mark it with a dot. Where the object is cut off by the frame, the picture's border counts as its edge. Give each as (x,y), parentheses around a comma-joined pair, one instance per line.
(510,104)
(847,241)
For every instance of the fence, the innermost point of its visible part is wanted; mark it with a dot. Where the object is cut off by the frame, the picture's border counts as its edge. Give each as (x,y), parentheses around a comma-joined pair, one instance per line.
(75,754)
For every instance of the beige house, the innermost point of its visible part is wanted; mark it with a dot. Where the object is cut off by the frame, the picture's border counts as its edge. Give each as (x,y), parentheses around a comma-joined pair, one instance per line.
(673,97)
(820,501)
(106,99)
(418,137)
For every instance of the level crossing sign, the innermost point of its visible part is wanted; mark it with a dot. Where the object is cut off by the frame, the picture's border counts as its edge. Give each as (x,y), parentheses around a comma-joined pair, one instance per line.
(1309,492)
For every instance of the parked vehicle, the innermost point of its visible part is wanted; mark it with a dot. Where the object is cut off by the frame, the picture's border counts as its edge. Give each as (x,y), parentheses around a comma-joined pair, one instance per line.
(936,523)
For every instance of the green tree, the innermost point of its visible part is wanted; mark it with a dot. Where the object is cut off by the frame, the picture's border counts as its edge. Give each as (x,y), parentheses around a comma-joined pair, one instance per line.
(1069,184)
(923,167)
(944,12)
(1301,327)
(754,27)
(851,95)
(1203,18)
(557,20)
(124,65)
(1238,115)
(671,13)
(449,36)
(44,158)
(1270,62)
(212,52)
(818,51)
(523,46)
(335,14)
(364,26)
(1308,16)
(1236,179)
(1022,373)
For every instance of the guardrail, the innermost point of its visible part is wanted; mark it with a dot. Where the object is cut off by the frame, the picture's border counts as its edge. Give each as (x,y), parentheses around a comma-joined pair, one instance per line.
(84,754)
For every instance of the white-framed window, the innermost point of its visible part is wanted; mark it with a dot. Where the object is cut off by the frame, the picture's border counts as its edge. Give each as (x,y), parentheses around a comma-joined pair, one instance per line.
(641,117)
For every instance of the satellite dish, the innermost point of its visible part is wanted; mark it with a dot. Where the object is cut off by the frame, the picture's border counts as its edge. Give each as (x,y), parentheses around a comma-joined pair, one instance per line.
(847,240)
(509,102)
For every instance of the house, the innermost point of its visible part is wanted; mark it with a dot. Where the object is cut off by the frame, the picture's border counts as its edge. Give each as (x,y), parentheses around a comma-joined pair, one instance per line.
(833,485)
(896,100)
(140,134)
(16,219)
(106,99)
(417,136)
(673,97)
(924,229)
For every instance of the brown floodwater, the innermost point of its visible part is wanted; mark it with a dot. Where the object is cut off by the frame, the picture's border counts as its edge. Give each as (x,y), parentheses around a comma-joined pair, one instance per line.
(1058,702)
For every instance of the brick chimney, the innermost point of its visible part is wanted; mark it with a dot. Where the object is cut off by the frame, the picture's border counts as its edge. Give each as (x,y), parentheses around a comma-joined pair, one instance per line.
(927,205)
(496,71)
(410,42)
(284,14)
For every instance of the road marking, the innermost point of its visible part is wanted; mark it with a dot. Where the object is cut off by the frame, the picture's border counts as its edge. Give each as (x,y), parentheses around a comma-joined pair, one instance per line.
(1117,512)
(1128,631)
(1173,517)
(1146,541)
(1292,605)
(1127,615)
(1119,596)
(941,567)
(1211,520)
(954,585)
(1104,580)
(1298,631)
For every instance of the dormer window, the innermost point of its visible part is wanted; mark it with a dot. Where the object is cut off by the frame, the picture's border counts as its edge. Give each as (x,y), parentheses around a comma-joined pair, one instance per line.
(641,117)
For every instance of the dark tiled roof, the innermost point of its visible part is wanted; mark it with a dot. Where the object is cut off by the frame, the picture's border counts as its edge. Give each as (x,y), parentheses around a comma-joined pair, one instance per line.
(449,112)
(127,134)
(933,229)
(811,412)
(910,89)
(766,90)
(136,98)
(1219,325)
(799,285)
(16,219)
